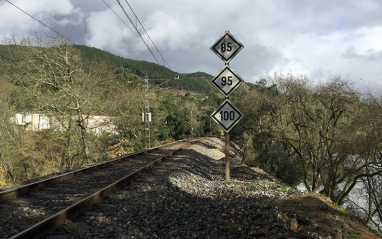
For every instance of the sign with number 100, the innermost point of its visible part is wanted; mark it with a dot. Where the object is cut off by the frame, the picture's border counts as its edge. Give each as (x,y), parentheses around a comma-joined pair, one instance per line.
(227,115)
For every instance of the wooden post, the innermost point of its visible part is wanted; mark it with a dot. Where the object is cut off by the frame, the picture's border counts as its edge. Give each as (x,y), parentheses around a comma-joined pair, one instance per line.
(227,170)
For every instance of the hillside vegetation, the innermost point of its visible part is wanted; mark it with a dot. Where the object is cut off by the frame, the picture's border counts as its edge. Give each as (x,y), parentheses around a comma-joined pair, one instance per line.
(70,84)
(326,136)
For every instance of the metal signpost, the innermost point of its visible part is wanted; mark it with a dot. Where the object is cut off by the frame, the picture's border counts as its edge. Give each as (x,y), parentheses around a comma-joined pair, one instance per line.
(227,115)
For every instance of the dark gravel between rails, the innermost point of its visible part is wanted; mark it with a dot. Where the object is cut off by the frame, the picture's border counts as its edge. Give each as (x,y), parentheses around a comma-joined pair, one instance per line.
(19,213)
(187,197)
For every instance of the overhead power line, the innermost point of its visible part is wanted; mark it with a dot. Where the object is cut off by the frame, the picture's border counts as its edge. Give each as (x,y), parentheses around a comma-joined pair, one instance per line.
(139,34)
(141,37)
(120,19)
(40,22)
(136,17)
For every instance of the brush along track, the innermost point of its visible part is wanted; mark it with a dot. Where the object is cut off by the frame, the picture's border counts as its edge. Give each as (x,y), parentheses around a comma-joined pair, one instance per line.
(56,202)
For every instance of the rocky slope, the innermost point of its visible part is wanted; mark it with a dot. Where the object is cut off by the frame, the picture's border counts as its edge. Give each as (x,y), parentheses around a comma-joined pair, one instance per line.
(187,197)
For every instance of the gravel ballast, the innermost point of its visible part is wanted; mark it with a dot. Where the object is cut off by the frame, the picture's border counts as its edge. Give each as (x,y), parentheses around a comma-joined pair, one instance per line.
(187,197)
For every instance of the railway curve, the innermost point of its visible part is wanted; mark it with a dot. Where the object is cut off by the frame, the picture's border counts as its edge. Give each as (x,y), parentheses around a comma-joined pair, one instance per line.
(29,210)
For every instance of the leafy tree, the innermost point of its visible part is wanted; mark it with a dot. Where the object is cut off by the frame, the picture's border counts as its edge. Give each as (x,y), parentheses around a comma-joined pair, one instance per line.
(367,150)
(314,127)
(124,75)
(8,134)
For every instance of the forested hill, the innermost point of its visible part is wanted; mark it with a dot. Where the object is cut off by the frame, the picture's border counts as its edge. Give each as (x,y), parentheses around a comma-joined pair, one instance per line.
(156,73)
(140,68)
(91,56)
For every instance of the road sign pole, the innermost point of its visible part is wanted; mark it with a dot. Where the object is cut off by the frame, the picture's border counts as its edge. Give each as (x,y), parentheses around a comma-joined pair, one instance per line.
(227,115)
(227,169)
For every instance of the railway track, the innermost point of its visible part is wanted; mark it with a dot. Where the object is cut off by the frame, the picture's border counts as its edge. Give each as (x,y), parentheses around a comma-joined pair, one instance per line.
(30,210)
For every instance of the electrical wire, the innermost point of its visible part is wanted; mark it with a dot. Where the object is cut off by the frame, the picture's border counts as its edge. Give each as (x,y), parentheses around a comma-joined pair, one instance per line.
(40,22)
(136,17)
(141,37)
(120,19)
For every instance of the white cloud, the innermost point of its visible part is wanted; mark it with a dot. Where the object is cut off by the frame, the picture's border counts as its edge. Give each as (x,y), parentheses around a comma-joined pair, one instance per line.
(34,7)
(105,31)
(171,33)
(14,20)
(354,54)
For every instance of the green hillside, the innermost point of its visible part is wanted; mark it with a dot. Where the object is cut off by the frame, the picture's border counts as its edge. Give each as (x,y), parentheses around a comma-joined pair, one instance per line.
(156,73)
(93,55)
(12,64)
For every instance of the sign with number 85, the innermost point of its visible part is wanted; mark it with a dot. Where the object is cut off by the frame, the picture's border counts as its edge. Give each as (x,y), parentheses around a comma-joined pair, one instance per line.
(227,47)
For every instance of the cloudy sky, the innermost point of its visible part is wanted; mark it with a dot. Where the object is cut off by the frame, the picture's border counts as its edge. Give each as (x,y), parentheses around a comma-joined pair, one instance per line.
(317,38)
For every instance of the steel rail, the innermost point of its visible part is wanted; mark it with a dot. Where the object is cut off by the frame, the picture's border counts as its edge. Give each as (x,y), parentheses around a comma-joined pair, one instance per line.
(15,192)
(72,211)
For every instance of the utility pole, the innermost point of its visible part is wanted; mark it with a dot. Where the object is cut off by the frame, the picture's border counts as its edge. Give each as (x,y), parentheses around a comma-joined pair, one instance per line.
(192,129)
(146,117)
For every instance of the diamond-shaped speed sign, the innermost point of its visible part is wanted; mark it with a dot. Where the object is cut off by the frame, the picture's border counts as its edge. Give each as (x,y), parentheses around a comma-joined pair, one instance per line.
(227,81)
(227,47)
(227,115)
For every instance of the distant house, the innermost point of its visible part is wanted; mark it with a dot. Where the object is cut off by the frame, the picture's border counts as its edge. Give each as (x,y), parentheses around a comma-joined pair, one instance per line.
(97,124)
(32,122)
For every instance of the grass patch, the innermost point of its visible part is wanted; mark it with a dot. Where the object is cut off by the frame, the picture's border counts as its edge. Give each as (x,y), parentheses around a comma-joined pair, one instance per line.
(325,217)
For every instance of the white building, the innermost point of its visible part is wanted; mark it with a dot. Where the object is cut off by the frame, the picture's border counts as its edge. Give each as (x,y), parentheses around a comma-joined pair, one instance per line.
(97,124)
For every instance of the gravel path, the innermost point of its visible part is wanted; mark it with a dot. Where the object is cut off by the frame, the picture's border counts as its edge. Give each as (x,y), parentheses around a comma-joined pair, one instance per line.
(187,197)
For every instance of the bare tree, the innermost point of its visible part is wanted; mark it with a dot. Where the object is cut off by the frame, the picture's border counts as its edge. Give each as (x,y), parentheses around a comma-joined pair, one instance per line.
(55,76)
